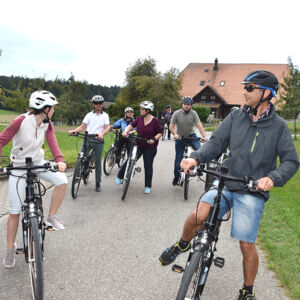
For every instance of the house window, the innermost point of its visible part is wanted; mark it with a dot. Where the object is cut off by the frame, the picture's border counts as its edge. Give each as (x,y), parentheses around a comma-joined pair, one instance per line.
(206,70)
(202,82)
(203,97)
(222,83)
(212,97)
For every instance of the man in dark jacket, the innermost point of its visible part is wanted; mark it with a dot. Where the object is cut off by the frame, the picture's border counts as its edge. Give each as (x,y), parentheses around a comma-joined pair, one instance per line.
(256,136)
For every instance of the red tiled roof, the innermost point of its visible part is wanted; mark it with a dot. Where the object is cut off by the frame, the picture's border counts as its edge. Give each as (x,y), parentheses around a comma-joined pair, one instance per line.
(231,74)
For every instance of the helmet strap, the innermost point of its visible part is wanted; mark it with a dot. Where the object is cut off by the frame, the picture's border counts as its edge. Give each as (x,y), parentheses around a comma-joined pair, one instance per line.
(47,120)
(261,101)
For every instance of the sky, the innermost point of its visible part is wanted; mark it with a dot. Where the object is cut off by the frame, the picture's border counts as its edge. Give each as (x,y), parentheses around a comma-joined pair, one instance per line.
(98,40)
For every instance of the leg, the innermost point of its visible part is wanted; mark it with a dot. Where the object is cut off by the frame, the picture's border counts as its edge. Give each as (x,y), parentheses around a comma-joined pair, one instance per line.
(98,150)
(169,131)
(57,198)
(148,157)
(12,228)
(179,149)
(250,262)
(195,144)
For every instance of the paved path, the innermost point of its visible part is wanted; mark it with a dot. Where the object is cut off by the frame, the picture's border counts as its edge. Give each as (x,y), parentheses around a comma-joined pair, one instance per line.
(110,247)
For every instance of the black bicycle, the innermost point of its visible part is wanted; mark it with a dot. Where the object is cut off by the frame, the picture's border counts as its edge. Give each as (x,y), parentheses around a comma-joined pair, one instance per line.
(33,225)
(213,165)
(184,179)
(131,162)
(204,243)
(111,157)
(84,165)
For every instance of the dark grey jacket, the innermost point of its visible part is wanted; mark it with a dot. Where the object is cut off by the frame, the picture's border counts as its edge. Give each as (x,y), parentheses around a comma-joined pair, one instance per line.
(254,147)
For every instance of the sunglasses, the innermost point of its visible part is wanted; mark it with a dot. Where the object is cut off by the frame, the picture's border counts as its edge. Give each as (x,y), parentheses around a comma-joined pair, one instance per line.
(251,88)
(97,103)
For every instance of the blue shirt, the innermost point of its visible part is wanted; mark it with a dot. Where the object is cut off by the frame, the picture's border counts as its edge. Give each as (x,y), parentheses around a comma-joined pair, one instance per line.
(122,123)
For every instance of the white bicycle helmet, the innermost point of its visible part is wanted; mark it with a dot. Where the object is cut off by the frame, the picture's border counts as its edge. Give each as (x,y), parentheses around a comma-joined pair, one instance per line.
(147,105)
(128,109)
(98,99)
(40,99)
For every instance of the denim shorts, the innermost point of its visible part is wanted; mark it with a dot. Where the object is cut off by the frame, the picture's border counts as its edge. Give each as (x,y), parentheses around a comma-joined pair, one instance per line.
(247,212)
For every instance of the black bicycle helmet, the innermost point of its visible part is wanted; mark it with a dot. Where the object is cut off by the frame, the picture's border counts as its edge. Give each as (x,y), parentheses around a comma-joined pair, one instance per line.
(264,79)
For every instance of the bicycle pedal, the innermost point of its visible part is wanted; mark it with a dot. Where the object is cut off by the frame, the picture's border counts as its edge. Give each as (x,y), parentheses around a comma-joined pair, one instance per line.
(138,169)
(19,251)
(219,262)
(49,227)
(177,269)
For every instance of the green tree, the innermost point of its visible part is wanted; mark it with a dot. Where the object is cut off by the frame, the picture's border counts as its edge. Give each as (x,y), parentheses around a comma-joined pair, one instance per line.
(289,100)
(144,82)
(14,100)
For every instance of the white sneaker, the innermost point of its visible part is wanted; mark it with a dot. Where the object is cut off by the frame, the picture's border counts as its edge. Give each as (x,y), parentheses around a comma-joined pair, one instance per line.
(9,259)
(55,222)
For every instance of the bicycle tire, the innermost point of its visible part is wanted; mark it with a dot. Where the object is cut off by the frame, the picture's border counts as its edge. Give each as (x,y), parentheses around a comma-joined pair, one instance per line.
(122,156)
(186,186)
(35,260)
(188,286)
(89,166)
(76,178)
(127,178)
(109,161)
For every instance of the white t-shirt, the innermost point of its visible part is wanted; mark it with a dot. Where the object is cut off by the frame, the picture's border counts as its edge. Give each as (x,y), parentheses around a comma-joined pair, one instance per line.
(95,122)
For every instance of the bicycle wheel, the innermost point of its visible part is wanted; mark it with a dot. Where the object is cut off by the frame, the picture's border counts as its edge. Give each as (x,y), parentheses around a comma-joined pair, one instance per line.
(164,132)
(127,178)
(76,178)
(109,161)
(122,156)
(90,164)
(35,260)
(186,186)
(189,286)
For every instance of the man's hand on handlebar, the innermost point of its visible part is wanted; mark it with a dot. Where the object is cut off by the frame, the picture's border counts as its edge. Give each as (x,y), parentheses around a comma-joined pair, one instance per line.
(187,164)
(265,184)
(176,137)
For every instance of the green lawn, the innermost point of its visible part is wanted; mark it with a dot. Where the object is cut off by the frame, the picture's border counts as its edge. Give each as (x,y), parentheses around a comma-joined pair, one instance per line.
(7,112)
(69,146)
(291,127)
(279,234)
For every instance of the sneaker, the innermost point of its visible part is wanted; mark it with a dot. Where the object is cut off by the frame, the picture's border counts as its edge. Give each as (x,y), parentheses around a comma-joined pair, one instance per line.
(246,295)
(55,222)
(9,259)
(175,181)
(147,190)
(117,160)
(118,181)
(98,187)
(170,254)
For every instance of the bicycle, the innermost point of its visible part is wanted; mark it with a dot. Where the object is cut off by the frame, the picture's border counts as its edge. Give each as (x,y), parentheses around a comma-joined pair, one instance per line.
(111,157)
(84,165)
(184,179)
(131,162)
(204,243)
(213,165)
(33,225)
(164,126)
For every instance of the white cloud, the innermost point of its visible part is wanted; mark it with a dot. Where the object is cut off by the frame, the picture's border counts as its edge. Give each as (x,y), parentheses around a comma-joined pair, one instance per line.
(98,40)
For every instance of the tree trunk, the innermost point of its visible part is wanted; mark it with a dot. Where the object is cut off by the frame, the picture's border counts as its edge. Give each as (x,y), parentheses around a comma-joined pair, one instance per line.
(295,129)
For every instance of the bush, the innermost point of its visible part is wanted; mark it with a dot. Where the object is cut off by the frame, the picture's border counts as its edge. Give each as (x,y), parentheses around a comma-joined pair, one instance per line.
(202,111)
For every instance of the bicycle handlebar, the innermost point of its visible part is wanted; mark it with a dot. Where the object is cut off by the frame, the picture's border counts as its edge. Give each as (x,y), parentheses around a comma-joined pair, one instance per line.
(79,134)
(250,184)
(191,138)
(136,137)
(47,166)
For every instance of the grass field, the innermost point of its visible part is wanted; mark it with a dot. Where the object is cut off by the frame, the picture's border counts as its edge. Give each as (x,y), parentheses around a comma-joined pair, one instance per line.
(7,116)
(279,233)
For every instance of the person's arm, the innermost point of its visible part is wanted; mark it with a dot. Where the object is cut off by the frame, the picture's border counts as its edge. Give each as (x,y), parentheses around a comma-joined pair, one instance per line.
(104,132)
(117,124)
(173,131)
(202,131)
(10,132)
(127,129)
(80,128)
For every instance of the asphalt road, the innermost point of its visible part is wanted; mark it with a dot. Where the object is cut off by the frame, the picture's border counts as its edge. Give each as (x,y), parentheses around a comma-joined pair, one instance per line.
(110,247)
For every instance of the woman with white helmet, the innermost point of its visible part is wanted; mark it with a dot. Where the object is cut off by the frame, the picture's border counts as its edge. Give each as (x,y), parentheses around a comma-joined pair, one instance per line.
(28,132)
(147,127)
(122,124)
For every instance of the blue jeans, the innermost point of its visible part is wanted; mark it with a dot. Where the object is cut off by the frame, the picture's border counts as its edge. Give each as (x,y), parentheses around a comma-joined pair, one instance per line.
(179,150)
(247,212)
(148,157)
